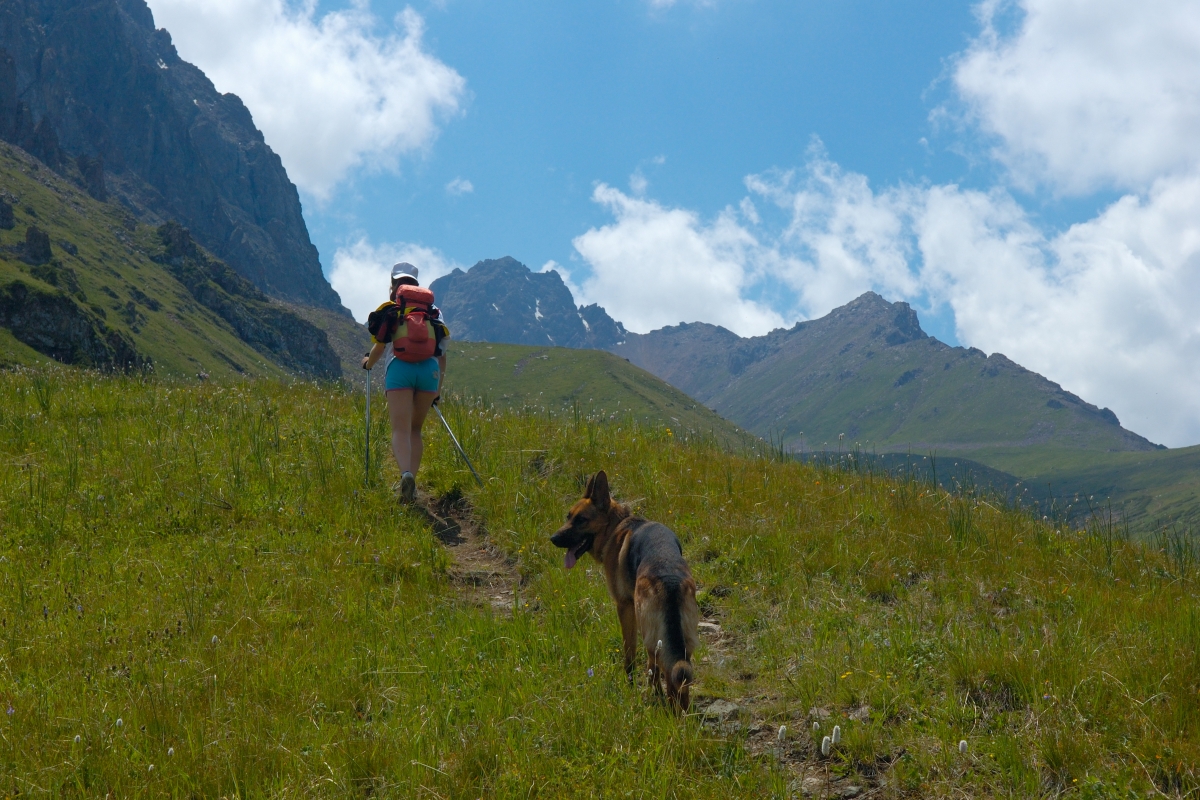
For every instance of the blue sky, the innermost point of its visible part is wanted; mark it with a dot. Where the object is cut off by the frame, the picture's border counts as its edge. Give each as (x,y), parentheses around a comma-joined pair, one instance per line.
(1025,173)
(562,95)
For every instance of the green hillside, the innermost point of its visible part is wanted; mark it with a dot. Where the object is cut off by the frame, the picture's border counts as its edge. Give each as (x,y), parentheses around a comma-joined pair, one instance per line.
(117,294)
(564,381)
(1148,490)
(199,597)
(867,371)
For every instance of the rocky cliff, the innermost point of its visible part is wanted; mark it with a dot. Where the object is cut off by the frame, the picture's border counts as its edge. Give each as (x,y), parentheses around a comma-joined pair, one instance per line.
(93,90)
(501,300)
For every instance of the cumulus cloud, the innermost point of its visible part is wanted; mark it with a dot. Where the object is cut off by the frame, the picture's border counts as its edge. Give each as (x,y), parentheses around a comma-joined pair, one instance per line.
(459,186)
(1110,308)
(361,272)
(657,266)
(331,92)
(1087,95)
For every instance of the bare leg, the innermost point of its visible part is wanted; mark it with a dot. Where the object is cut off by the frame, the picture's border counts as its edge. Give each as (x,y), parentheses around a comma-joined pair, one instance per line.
(422,401)
(400,411)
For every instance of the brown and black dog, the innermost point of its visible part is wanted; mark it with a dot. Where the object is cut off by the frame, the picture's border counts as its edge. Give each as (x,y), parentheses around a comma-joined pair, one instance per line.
(647,578)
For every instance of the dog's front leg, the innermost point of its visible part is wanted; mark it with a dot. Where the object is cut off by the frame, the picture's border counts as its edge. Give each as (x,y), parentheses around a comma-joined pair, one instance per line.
(628,635)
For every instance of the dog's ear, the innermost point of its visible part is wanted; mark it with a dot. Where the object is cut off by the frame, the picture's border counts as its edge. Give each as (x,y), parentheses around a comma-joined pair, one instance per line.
(598,491)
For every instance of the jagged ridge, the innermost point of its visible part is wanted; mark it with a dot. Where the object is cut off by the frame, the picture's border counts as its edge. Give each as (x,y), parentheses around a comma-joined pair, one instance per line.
(501,300)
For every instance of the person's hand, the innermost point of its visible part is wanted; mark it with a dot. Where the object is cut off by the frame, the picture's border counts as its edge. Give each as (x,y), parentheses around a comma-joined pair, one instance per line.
(366,361)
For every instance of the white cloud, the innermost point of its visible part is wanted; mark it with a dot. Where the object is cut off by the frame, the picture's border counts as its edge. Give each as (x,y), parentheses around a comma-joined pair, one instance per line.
(361,273)
(658,266)
(1088,94)
(638,183)
(1110,308)
(332,92)
(841,239)
(459,186)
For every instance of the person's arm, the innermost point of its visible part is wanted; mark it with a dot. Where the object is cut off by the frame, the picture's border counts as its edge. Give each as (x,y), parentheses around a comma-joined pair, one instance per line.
(375,354)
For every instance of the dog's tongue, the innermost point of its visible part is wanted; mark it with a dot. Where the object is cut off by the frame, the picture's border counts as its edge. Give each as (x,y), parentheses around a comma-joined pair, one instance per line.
(569,561)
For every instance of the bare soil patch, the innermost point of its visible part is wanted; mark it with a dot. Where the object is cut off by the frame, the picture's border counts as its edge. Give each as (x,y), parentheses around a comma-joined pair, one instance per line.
(481,571)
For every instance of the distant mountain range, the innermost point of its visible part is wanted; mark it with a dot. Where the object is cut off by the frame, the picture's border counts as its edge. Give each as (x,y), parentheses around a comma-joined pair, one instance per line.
(501,300)
(867,371)
(94,92)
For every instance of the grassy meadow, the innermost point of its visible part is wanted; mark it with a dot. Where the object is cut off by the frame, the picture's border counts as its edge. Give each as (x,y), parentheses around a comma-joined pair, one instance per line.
(200,596)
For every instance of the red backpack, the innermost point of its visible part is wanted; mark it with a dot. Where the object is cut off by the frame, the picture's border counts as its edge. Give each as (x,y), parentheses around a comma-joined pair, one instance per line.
(416,336)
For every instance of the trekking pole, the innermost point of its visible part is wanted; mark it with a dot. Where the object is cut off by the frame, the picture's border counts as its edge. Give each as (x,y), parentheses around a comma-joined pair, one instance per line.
(461,452)
(367,460)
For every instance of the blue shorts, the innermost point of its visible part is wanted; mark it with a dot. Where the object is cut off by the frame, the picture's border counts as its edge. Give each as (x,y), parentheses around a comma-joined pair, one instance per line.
(423,376)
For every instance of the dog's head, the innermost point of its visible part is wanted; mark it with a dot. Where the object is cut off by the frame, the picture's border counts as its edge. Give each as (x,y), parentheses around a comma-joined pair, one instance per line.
(587,521)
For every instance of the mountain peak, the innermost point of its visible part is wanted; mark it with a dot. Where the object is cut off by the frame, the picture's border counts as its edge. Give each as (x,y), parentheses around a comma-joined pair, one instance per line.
(502,300)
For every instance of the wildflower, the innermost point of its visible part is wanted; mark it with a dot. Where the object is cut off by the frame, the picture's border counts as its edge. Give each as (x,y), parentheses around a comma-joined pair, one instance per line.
(10,711)
(782,734)
(816,726)
(120,722)
(962,747)
(214,639)
(77,739)
(151,768)
(825,744)
(170,751)
(591,672)
(837,734)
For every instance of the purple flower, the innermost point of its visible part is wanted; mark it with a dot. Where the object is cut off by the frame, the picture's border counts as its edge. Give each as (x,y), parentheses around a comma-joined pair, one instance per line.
(10,711)
(591,674)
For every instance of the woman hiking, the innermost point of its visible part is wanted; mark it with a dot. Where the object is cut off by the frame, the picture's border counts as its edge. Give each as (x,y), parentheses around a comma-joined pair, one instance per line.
(409,325)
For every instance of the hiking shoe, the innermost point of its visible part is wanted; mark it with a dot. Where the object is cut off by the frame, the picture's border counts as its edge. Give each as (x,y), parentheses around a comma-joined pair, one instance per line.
(408,488)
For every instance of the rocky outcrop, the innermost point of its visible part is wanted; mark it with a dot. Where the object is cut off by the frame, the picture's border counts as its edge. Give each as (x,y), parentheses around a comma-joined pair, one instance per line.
(55,325)
(95,92)
(266,326)
(501,300)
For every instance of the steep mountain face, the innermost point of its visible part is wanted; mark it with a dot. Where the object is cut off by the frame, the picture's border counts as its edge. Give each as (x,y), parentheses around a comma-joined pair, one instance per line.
(83,283)
(91,89)
(868,371)
(501,300)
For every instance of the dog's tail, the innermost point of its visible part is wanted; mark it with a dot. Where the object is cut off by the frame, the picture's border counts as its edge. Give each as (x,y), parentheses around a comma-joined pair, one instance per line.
(681,679)
(680,675)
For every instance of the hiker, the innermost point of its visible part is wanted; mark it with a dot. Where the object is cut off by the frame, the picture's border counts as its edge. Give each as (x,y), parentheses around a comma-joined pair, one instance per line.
(412,325)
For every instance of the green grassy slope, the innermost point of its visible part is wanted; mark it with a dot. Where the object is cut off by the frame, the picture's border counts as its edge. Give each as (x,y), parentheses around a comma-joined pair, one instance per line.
(14,353)
(194,578)
(102,268)
(1149,490)
(593,382)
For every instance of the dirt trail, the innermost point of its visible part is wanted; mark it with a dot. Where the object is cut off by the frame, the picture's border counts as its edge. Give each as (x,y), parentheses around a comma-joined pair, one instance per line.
(480,570)
(813,775)
(485,576)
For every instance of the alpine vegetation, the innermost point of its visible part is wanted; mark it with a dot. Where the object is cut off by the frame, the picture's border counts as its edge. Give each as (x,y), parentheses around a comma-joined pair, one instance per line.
(358,651)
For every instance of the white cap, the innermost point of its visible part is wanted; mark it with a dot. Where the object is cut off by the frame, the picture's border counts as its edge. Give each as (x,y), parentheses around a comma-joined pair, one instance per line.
(404,270)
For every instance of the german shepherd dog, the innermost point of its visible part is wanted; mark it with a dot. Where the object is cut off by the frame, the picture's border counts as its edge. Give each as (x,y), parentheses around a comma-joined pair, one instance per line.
(647,578)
